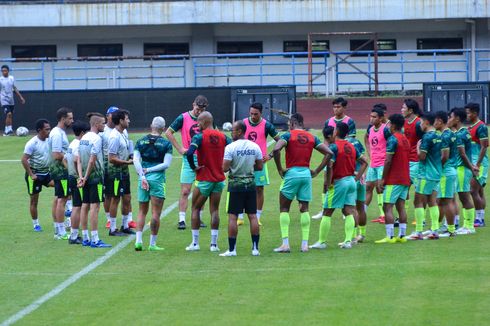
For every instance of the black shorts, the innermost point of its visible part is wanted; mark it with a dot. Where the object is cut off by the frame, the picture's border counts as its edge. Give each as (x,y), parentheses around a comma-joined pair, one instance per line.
(8,109)
(238,202)
(35,186)
(76,193)
(93,193)
(61,189)
(118,187)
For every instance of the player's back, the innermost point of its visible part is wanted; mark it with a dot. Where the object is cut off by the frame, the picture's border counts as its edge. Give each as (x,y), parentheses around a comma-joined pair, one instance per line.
(431,167)
(152,149)
(345,157)
(463,139)
(399,173)
(91,144)
(413,132)
(300,145)
(210,155)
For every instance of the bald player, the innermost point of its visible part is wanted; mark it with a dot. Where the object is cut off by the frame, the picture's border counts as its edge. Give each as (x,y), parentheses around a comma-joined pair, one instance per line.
(210,144)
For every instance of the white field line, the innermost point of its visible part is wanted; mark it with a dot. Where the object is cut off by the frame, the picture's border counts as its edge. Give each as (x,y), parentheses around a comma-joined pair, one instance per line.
(75,277)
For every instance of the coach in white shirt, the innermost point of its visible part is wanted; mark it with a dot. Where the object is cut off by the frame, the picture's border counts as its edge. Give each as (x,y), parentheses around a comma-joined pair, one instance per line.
(241,159)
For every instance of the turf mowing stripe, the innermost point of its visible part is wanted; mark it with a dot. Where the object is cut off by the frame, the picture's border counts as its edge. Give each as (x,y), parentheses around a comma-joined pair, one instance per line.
(75,277)
(9,161)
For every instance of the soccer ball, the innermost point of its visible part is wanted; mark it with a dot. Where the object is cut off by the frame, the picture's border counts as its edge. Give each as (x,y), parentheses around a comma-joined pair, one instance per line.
(227,126)
(22,131)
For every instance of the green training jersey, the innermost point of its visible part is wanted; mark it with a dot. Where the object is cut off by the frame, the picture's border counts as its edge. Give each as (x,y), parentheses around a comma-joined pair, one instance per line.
(463,139)
(479,132)
(431,167)
(448,143)
(91,145)
(358,146)
(152,149)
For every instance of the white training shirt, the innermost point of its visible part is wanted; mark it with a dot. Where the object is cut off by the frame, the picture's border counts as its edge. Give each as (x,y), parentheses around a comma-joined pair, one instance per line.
(7,90)
(39,155)
(242,153)
(71,155)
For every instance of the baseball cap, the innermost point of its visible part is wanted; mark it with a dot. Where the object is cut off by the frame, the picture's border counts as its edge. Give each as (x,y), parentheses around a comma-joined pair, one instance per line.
(158,122)
(112,109)
(201,101)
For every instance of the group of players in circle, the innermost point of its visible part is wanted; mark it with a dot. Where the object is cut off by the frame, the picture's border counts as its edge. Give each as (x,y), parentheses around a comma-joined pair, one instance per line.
(437,152)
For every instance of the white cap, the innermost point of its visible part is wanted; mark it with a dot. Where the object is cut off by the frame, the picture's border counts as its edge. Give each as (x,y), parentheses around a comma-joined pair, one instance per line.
(158,123)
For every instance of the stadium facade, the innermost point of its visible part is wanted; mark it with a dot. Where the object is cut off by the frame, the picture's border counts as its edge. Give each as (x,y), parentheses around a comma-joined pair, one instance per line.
(418,41)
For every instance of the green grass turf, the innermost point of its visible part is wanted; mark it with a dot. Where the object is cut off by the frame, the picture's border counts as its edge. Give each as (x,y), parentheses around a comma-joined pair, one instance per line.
(435,283)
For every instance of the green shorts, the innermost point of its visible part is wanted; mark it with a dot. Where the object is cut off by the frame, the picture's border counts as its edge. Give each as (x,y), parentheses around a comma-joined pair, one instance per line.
(482,176)
(156,181)
(341,193)
(393,193)
(426,187)
(414,172)
(463,176)
(374,174)
(187,175)
(208,187)
(361,191)
(447,186)
(299,188)
(262,177)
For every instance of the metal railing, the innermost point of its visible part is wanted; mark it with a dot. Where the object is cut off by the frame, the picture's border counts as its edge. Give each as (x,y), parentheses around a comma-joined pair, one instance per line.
(404,69)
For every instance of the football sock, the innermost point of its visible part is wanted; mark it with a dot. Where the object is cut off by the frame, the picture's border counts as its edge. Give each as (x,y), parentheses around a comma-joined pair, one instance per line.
(480,214)
(214,237)
(231,243)
(55,225)
(125,221)
(108,216)
(284,222)
(85,235)
(35,221)
(419,218)
(95,236)
(153,239)
(451,228)
(61,229)
(240,216)
(402,230)
(354,232)
(390,231)
(195,237)
(113,224)
(305,226)
(74,234)
(130,216)
(362,230)
(456,219)
(139,237)
(181,216)
(259,214)
(434,217)
(470,216)
(325,225)
(349,227)
(380,205)
(255,241)
(69,205)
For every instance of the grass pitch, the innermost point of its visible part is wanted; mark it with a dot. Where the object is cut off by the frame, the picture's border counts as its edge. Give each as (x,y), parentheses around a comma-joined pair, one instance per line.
(426,282)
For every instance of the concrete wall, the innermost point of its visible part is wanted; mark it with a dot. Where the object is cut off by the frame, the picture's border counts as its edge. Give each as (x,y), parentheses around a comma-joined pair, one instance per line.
(236,11)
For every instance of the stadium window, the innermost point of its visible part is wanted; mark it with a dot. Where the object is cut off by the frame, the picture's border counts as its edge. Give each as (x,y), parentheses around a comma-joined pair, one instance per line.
(239,47)
(302,46)
(386,44)
(99,50)
(33,51)
(165,49)
(440,44)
